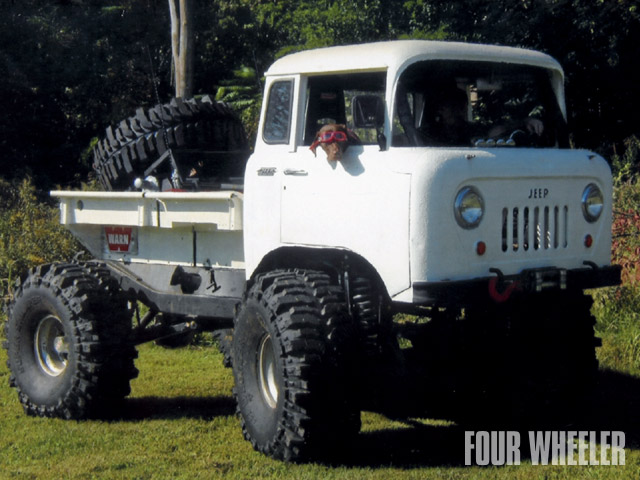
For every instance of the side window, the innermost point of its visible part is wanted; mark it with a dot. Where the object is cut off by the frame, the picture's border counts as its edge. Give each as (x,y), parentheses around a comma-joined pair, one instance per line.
(277,125)
(355,100)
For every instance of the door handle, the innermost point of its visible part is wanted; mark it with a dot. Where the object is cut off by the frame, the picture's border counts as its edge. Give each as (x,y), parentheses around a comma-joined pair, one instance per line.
(298,173)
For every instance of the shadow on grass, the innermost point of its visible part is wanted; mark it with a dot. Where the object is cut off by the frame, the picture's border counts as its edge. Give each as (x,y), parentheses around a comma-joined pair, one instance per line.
(612,406)
(175,408)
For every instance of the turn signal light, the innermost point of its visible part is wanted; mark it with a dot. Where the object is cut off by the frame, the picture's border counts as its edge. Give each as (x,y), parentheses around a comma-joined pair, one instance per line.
(481,248)
(588,241)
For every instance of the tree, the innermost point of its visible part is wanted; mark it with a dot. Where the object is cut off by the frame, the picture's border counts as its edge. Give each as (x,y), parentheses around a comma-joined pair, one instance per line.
(182,46)
(84,64)
(79,67)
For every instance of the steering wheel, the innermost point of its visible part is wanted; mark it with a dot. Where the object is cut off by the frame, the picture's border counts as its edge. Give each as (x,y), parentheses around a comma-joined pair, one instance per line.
(525,138)
(519,138)
(522,138)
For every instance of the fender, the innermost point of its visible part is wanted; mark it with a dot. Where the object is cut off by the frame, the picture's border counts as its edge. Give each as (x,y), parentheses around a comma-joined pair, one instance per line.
(328,259)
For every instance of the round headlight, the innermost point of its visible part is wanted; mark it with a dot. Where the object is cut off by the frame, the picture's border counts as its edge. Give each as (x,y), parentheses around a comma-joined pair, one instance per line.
(592,203)
(468,207)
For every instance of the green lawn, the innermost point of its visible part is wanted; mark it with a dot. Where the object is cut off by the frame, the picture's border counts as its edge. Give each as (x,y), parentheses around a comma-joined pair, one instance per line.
(180,423)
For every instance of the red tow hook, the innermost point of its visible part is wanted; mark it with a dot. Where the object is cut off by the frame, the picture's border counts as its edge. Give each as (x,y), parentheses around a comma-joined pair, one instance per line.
(500,297)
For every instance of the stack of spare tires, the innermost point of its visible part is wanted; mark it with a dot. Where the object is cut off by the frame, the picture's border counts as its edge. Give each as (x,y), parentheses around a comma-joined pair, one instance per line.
(205,138)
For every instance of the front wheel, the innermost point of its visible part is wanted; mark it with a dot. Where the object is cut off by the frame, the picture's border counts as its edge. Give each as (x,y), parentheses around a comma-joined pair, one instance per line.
(291,365)
(538,350)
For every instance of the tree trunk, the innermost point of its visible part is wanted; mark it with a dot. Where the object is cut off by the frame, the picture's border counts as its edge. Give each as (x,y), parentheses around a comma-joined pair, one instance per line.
(182,47)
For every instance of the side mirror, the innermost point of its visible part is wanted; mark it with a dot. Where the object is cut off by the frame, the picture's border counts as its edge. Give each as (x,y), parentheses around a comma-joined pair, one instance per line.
(367,111)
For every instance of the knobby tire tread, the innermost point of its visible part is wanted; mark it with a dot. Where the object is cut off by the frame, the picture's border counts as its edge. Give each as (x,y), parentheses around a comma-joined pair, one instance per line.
(309,314)
(99,330)
(138,141)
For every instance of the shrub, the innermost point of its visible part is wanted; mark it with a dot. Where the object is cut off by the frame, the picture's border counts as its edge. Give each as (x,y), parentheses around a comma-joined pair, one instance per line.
(626,167)
(626,233)
(618,309)
(29,233)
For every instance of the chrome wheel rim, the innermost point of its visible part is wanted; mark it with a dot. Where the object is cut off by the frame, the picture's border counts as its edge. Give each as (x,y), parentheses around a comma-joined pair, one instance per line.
(267,372)
(51,346)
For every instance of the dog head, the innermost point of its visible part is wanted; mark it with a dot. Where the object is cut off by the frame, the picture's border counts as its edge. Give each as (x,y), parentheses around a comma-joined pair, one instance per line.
(334,140)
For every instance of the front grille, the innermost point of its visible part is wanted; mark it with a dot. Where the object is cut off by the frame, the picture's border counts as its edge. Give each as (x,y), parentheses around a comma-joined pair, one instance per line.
(526,229)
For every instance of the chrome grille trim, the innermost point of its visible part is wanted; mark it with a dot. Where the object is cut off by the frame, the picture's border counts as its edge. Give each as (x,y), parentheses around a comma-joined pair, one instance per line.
(528,229)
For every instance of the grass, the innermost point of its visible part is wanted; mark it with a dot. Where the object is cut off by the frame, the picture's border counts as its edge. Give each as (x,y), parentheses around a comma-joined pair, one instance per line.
(180,423)
(618,324)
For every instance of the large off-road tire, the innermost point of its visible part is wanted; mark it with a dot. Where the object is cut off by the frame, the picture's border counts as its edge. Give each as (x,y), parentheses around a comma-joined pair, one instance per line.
(528,358)
(224,339)
(201,133)
(560,341)
(381,377)
(68,342)
(291,346)
(174,341)
(539,350)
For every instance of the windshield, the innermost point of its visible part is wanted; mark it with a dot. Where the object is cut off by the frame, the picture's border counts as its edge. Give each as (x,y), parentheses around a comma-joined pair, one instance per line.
(463,104)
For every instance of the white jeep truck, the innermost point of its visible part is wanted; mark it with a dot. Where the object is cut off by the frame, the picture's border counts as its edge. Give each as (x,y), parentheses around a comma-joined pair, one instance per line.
(487,230)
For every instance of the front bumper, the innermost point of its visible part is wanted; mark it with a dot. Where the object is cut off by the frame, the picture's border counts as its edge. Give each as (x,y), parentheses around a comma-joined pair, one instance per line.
(500,288)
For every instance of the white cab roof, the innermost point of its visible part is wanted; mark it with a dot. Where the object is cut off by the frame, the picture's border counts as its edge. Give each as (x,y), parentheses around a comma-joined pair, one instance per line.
(396,54)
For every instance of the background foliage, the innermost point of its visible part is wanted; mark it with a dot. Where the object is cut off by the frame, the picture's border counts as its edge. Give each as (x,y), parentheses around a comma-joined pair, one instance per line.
(69,68)
(29,233)
(72,67)
(618,309)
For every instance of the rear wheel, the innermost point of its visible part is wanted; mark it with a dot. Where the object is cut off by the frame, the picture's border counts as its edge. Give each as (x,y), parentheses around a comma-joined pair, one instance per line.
(51,346)
(179,340)
(68,358)
(291,366)
(224,339)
